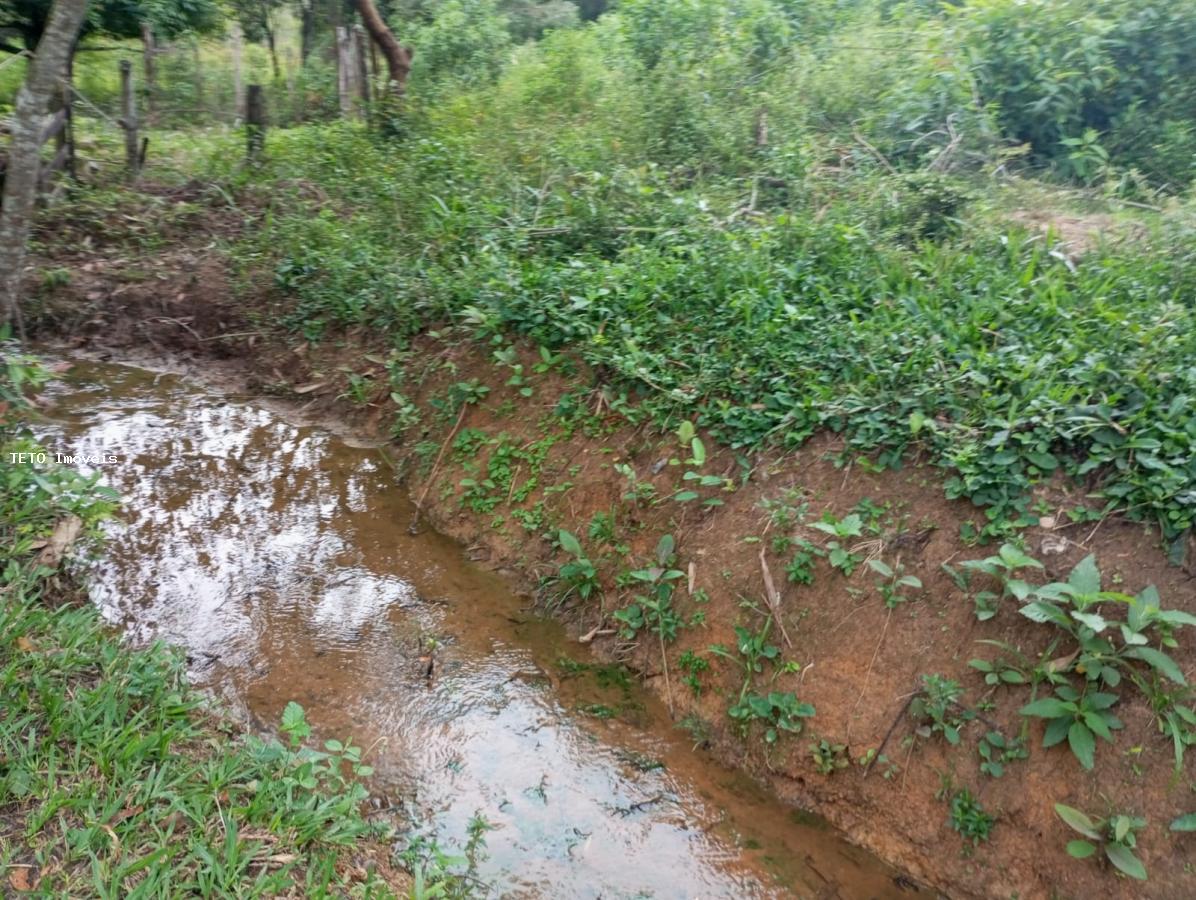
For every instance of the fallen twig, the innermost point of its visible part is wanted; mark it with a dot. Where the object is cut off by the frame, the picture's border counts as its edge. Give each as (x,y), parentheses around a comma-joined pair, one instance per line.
(774,598)
(888,734)
(419,504)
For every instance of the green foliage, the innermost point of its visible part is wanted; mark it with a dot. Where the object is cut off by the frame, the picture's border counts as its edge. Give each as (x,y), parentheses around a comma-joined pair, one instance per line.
(35,493)
(654,609)
(1116,835)
(969,818)
(1061,73)
(578,576)
(800,569)
(829,758)
(778,711)
(754,649)
(693,666)
(893,581)
(1077,718)
(923,206)
(1077,608)
(997,751)
(20,374)
(838,553)
(693,476)
(1106,649)
(937,708)
(1003,567)
(763,331)
(463,42)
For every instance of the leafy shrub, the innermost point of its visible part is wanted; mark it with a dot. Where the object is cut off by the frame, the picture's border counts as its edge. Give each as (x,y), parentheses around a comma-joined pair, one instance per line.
(466,42)
(1123,68)
(923,206)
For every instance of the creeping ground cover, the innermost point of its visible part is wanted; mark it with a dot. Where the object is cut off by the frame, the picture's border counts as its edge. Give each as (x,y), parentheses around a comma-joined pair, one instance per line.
(993,352)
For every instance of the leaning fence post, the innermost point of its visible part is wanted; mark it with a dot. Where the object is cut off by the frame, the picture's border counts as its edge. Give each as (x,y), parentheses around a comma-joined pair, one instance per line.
(255,122)
(128,119)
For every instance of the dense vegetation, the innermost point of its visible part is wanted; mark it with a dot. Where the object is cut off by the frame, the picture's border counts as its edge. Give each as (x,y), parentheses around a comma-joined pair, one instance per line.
(780,218)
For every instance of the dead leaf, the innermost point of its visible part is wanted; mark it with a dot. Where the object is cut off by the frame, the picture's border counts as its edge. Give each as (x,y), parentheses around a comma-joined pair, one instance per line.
(593,633)
(1062,663)
(107,829)
(64,535)
(23,878)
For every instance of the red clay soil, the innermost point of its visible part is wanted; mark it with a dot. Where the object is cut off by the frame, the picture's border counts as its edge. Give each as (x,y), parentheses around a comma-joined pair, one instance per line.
(857,662)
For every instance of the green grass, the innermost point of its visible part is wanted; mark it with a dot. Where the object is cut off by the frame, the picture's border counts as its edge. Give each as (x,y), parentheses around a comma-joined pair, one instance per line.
(118,781)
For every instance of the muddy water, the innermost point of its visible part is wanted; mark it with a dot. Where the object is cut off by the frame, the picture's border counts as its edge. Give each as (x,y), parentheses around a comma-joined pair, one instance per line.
(278,556)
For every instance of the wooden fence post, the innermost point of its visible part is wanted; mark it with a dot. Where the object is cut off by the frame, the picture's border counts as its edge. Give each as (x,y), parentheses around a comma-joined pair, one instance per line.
(360,42)
(255,122)
(128,119)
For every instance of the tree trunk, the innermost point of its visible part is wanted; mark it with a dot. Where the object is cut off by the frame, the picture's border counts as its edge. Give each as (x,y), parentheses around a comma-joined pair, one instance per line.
(398,57)
(150,74)
(346,71)
(273,49)
(128,120)
(29,112)
(307,31)
(238,89)
(198,75)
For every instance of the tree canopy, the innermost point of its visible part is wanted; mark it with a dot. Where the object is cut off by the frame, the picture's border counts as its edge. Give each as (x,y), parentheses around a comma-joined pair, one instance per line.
(119,18)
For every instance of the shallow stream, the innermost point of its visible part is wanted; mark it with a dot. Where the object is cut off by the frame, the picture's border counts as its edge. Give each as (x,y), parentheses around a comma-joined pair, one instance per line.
(278,556)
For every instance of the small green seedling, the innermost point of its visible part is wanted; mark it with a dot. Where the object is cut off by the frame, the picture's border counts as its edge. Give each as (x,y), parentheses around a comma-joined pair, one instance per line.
(937,708)
(894,581)
(578,575)
(1003,567)
(829,758)
(969,818)
(1116,835)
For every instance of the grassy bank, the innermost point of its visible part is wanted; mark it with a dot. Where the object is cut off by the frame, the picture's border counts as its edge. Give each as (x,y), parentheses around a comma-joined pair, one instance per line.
(118,780)
(913,313)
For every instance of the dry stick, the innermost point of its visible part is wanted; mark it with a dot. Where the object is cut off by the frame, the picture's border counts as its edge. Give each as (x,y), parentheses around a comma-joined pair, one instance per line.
(888,734)
(868,674)
(668,686)
(774,599)
(413,528)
